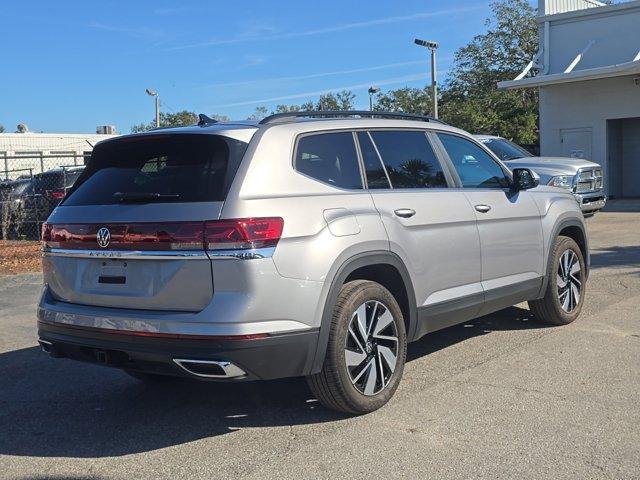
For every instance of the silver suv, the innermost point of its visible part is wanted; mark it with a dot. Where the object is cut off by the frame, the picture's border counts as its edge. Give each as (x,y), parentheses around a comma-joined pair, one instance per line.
(313,244)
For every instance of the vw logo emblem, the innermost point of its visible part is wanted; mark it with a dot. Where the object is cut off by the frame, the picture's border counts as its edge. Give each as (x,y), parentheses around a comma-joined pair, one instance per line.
(103,237)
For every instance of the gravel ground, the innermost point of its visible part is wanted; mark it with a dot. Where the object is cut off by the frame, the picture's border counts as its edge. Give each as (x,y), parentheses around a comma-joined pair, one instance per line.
(500,397)
(19,256)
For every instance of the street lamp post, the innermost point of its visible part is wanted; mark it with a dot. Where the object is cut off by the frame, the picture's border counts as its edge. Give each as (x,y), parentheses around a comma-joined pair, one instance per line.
(373,89)
(433,46)
(151,92)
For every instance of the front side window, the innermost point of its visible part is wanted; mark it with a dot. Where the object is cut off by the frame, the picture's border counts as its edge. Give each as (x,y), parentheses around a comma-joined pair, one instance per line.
(475,167)
(330,158)
(409,159)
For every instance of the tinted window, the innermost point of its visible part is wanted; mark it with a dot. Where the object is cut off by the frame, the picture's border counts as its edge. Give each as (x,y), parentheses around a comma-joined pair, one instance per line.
(178,168)
(409,159)
(504,149)
(475,167)
(330,158)
(376,178)
(71,178)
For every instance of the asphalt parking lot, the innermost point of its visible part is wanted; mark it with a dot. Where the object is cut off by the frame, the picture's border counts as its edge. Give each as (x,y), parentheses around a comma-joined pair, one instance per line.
(500,397)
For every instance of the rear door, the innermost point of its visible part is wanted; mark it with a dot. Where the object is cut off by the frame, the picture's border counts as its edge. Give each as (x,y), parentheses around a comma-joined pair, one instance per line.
(508,223)
(431,227)
(130,234)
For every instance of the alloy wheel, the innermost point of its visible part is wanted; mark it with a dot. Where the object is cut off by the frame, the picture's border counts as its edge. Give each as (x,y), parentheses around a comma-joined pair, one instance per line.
(371,347)
(569,281)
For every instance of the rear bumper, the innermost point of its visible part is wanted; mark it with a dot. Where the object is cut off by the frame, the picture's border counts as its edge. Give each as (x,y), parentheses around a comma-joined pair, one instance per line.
(591,202)
(276,356)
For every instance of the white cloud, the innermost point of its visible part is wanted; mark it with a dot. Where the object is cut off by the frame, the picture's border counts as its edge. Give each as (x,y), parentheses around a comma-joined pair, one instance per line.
(140,32)
(315,75)
(331,29)
(381,83)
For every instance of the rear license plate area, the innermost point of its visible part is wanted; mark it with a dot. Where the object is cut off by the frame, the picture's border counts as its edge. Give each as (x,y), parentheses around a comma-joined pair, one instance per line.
(112,279)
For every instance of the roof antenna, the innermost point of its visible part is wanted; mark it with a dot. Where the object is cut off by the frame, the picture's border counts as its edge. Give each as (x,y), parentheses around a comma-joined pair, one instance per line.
(204,120)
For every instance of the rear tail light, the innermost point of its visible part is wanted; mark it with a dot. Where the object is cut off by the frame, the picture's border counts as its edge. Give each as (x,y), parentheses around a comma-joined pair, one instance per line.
(55,194)
(132,236)
(243,233)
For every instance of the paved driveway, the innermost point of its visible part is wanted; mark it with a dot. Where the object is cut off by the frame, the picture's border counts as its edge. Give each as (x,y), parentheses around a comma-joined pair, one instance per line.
(500,397)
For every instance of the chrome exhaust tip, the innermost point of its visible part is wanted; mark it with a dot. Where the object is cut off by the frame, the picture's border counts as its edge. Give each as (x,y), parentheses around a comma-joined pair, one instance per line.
(210,368)
(45,346)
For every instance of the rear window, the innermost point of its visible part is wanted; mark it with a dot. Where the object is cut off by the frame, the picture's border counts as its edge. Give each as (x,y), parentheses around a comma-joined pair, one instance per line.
(330,158)
(161,168)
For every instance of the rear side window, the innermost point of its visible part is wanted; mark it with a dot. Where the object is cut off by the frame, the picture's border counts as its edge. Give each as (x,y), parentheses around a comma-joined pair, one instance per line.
(162,168)
(376,177)
(475,167)
(409,159)
(330,158)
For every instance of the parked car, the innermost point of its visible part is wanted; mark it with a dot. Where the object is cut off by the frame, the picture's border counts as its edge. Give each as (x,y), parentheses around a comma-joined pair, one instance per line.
(300,245)
(33,198)
(5,190)
(581,177)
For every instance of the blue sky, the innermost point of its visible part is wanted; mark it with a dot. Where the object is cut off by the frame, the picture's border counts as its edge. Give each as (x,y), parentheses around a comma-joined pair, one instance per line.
(72,65)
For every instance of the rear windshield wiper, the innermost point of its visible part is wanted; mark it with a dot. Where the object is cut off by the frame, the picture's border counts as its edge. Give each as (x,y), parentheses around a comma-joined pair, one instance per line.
(143,196)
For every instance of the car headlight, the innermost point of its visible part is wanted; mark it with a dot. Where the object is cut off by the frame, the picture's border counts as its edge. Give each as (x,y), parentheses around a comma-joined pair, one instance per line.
(562,181)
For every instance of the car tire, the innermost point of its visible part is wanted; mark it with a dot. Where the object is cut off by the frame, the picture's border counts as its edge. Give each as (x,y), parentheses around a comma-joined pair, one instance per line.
(566,282)
(149,377)
(364,361)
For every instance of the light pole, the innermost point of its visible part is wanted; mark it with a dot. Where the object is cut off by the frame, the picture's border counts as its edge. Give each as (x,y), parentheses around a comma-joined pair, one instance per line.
(373,89)
(151,92)
(433,46)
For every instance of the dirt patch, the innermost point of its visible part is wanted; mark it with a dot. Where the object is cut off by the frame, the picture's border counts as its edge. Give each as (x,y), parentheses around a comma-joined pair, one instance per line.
(17,256)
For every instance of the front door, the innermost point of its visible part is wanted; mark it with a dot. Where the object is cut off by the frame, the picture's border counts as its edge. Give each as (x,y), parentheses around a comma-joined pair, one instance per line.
(576,142)
(508,222)
(430,226)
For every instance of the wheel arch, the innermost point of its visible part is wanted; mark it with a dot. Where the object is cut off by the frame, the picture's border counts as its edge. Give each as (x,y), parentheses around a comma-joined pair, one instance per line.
(369,266)
(574,229)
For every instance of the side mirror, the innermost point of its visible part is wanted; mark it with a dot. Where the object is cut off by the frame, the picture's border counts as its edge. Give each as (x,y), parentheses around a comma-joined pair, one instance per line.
(524,179)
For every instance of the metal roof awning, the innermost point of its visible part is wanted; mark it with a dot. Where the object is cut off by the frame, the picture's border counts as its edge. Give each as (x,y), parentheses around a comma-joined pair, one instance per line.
(621,69)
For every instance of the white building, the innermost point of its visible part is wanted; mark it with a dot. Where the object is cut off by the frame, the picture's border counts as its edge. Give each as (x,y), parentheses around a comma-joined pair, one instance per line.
(43,151)
(588,74)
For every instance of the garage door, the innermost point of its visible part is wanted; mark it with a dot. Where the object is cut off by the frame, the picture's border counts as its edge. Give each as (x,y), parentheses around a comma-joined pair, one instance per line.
(623,140)
(631,157)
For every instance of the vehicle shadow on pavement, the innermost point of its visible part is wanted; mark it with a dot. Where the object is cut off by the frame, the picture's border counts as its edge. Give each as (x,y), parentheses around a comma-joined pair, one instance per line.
(616,256)
(512,318)
(62,408)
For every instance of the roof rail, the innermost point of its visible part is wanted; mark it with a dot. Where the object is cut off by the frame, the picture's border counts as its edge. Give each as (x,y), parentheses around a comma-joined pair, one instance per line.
(288,117)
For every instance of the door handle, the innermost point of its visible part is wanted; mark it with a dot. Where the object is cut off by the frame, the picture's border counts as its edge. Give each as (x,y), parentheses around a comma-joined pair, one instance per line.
(405,212)
(483,208)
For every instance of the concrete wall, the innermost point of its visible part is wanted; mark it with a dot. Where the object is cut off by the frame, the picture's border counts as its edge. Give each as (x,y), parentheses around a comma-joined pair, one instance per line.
(586,105)
(613,33)
(16,143)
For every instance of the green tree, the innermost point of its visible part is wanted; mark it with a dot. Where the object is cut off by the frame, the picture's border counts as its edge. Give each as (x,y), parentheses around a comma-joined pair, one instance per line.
(471,99)
(1,129)
(336,101)
(178,119)
(407,100)
(259,113)
(287,108)
(327,101)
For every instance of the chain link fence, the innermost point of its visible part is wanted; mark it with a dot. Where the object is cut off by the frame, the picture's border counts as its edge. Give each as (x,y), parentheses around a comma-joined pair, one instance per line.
(30,188)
